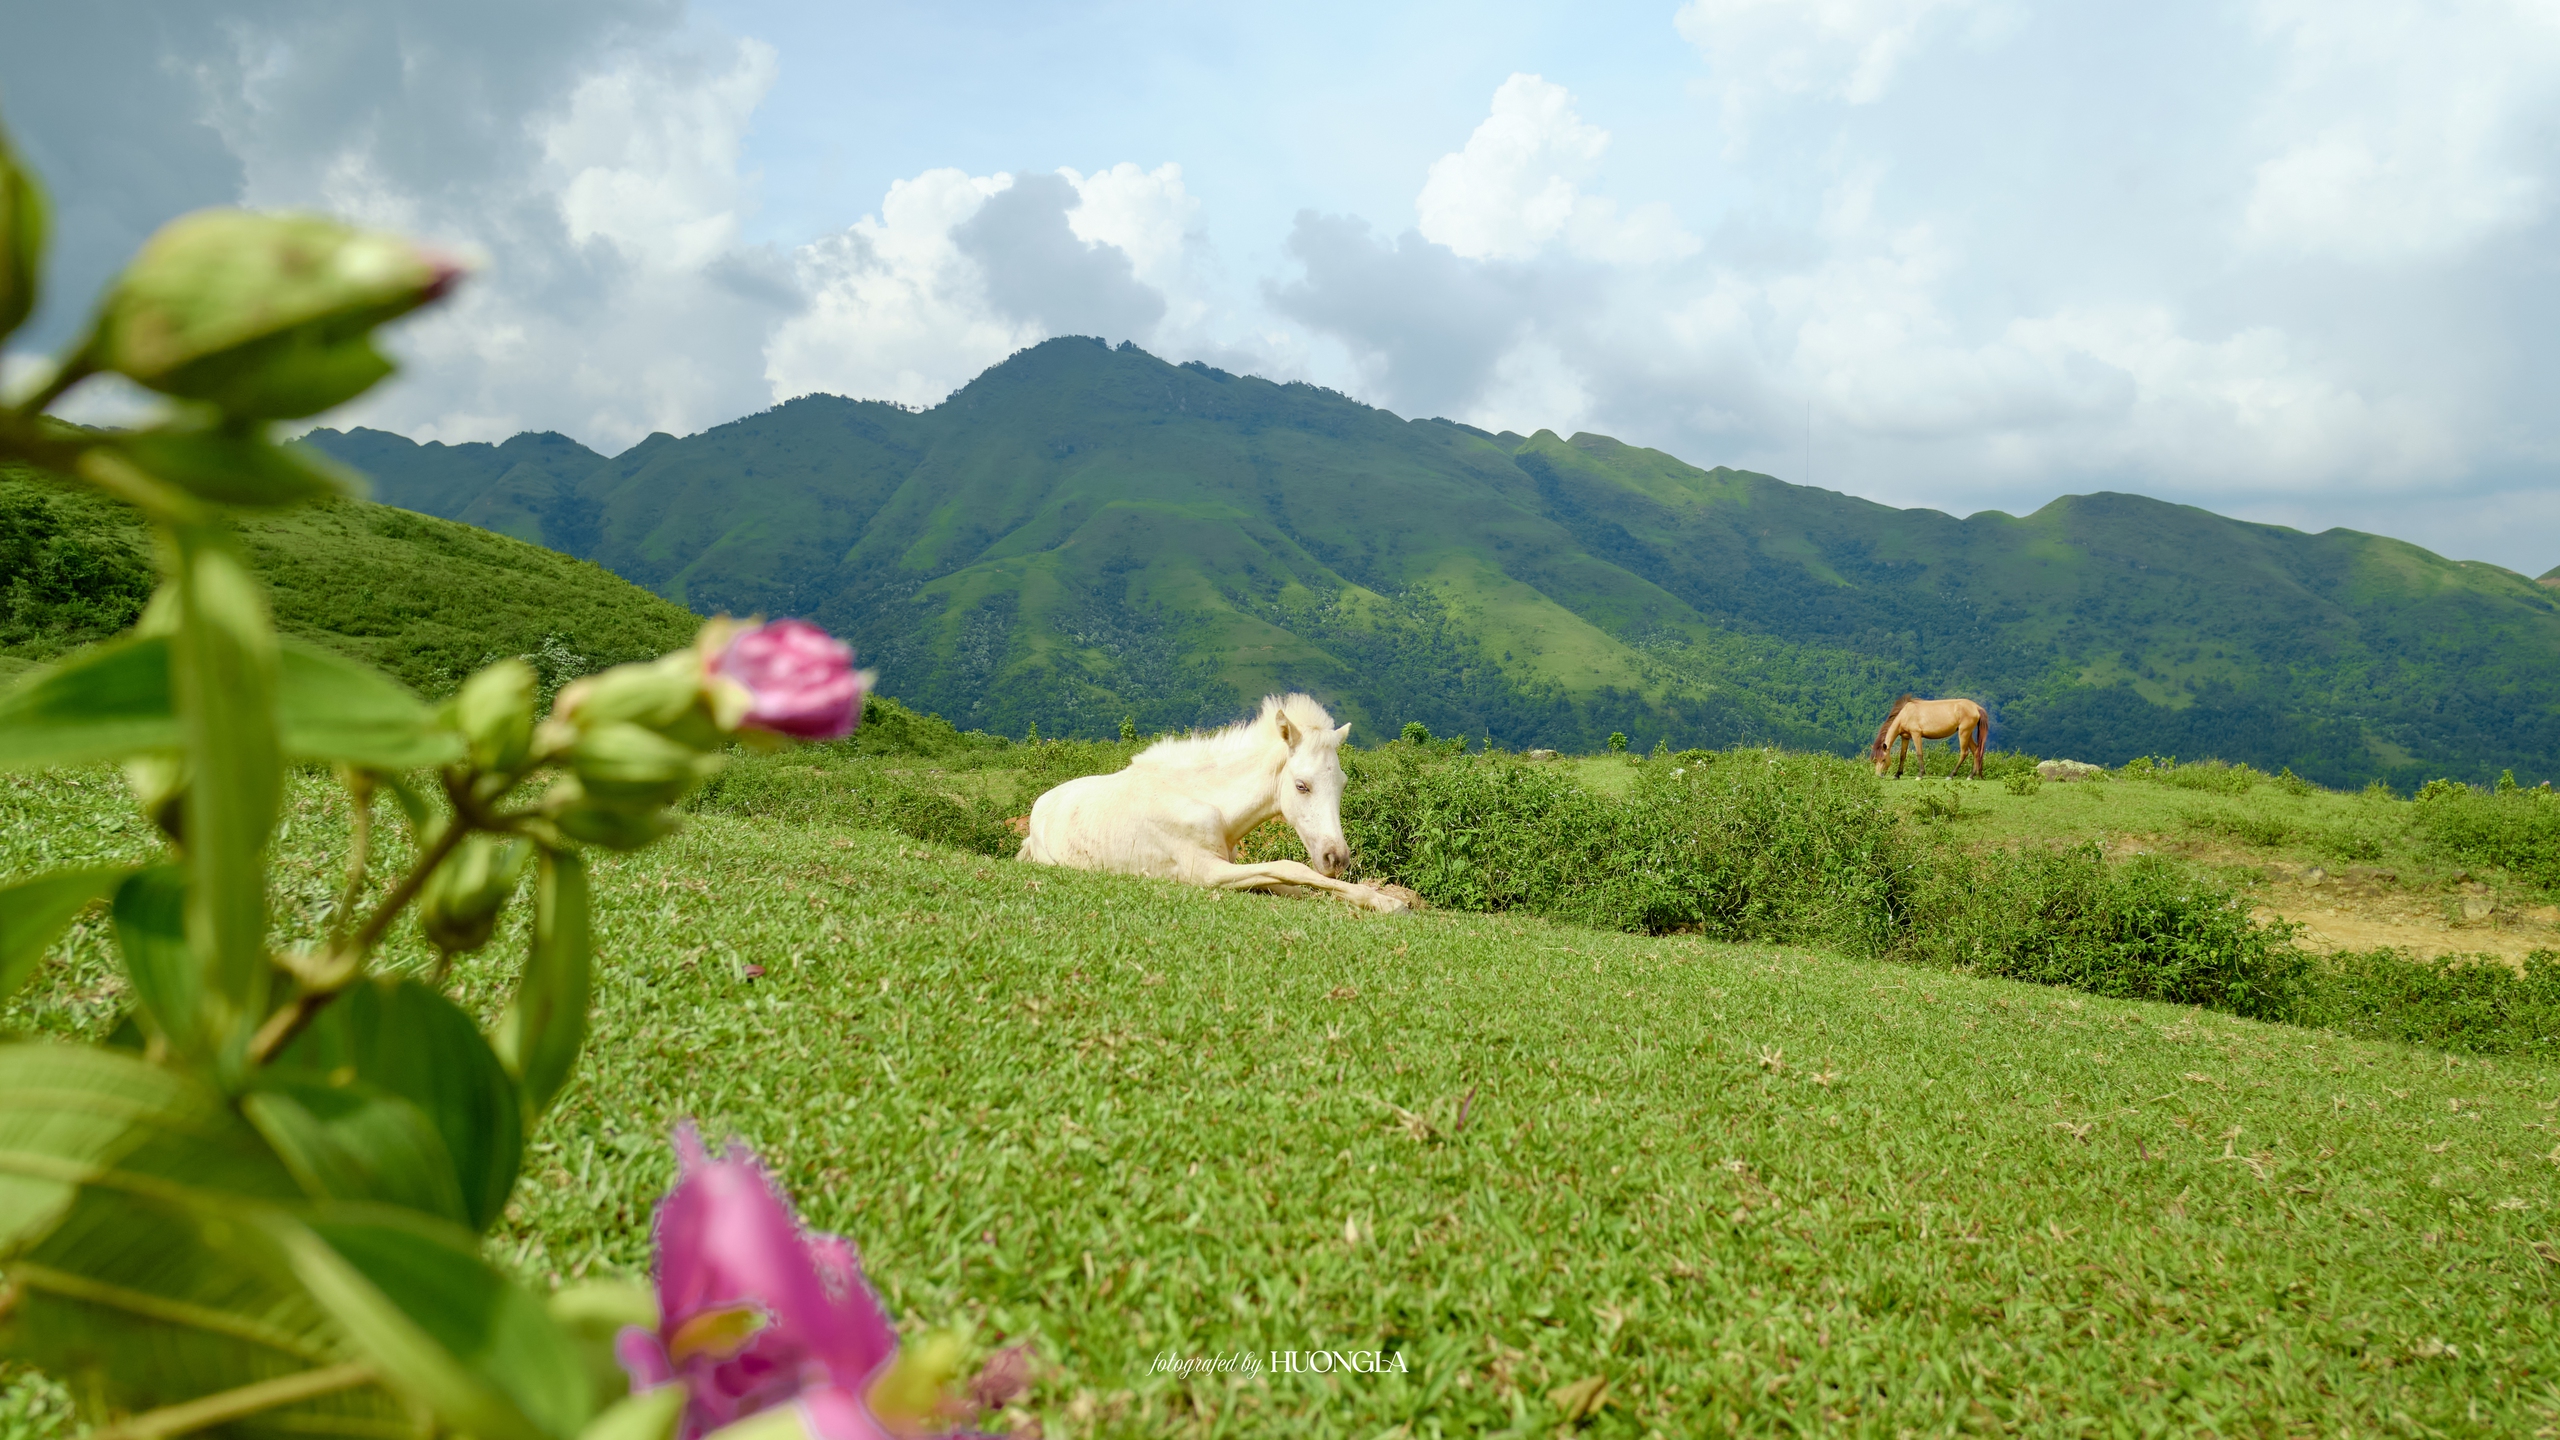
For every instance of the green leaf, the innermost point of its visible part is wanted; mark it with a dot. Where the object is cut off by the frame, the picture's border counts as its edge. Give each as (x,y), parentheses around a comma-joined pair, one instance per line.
(443,1327)
(266,316)
(403,1038)
(232,468)
(22,234)
(119,1184)
(541,1033)
(33,912)
(72,1114)
(346,1140)
(153,1303)
(104,704)
(333,708)
(222,676)
(593,1314)
(114,701)
(150,917)
(650,1415)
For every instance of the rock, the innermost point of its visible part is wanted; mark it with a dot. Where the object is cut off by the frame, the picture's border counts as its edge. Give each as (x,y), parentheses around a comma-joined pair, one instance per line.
(2478,907)
(1542,754)
(2062,772)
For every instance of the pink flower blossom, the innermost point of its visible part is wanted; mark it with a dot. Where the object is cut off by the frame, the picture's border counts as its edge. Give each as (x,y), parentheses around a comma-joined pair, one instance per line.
(754,1311)
(801,680)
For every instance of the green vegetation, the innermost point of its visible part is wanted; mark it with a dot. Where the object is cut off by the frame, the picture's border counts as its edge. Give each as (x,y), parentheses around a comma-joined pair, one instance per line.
(426,600)
(1083,534)
(1749,1187)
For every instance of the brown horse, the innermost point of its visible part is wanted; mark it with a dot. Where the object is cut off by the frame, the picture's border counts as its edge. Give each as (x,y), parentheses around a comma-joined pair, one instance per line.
(1915,721)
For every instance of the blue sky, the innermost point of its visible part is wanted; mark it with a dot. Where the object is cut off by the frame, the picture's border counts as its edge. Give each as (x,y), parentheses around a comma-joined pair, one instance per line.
(2286,260)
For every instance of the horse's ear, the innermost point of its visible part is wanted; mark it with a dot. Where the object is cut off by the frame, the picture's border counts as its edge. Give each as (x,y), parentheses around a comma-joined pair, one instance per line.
(1342,734)
(1288,732)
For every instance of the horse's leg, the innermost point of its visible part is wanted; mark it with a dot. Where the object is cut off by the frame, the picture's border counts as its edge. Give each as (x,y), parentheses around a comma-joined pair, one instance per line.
(1220,874)
(1977,735)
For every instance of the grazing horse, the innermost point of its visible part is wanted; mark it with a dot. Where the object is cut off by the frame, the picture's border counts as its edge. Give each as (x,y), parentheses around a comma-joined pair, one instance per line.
(1179,808)
(1915,721)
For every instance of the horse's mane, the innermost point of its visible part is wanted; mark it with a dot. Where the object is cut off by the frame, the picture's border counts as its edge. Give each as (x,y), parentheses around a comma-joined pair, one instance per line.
(1905,698)
(1240,739)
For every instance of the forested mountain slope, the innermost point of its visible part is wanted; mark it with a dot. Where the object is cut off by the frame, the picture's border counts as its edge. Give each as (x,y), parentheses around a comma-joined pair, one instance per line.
(1083,533)
(426,599)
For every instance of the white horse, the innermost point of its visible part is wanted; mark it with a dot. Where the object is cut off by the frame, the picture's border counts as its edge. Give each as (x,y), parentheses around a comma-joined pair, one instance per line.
(1179,808)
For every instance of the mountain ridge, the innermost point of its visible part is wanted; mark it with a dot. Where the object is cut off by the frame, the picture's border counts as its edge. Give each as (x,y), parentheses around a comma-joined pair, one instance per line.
(1085,532)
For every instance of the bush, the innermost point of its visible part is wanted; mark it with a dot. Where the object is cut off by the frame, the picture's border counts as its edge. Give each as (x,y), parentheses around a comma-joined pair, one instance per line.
(2022,782)
(2263,831)
(889,728)
(2210,775)
(1802,849)
(2481,1005)
(789,787)
(2150,929)
(2518,832)
(1755,846)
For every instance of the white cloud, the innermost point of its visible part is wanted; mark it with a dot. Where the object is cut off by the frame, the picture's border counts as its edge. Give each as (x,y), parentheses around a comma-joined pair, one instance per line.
(1516,188)
(1847,50)
(2403,133)
(896,310)
(647,155)
(1147,213)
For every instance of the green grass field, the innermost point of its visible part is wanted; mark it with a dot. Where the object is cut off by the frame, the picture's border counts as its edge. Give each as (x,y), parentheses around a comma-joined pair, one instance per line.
(1747,1189)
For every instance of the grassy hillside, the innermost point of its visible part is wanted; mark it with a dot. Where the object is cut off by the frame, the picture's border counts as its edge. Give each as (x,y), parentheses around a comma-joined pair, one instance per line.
(1718,1188)
(1085,533)
(428,600)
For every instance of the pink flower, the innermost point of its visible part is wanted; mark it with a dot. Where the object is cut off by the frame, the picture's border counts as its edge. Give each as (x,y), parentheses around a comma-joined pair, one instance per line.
(755,1311)
(801,680)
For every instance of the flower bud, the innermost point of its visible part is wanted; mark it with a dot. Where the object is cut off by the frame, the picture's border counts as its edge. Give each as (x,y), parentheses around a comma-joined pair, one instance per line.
(494,712)
(613,826)
(460,905)
(624,764)
(267,316)
(22,227)
(798,680)
(654,694)
(159,785)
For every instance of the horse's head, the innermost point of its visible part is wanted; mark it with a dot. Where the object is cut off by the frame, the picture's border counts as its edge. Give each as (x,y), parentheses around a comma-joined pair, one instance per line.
(1884,733)
(1310,786)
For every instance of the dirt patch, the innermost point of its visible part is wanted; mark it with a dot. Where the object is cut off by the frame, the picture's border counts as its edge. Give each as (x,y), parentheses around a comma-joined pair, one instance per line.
(2366,907)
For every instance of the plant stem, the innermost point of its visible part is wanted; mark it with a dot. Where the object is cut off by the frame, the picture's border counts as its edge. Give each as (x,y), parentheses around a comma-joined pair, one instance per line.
(286,1023)
(359,853)
(411,883)
(229,1405)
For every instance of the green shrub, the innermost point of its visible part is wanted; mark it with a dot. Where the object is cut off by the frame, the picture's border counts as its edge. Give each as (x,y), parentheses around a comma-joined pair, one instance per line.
(2211,775)
(2022,782)
(2293,784)
(2149,929)
(1758,845)
(2263,831)
(791,788)
(2480,1005)
(1803,849)
(2518,832)
(2344,842)
(2006,765)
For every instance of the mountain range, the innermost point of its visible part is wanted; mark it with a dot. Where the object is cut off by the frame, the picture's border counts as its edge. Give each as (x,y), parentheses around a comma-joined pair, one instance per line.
(1085,533)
